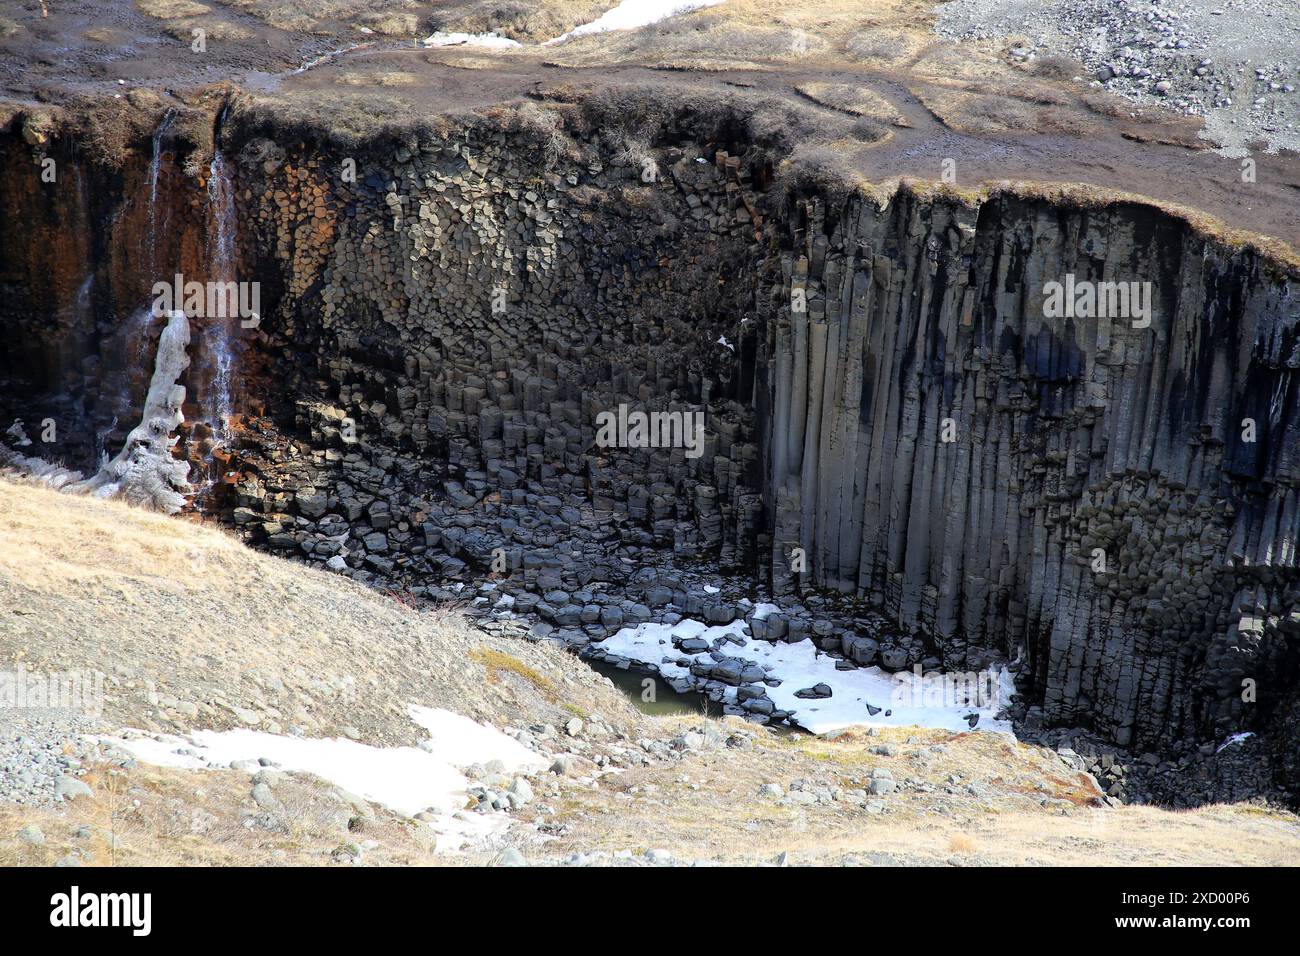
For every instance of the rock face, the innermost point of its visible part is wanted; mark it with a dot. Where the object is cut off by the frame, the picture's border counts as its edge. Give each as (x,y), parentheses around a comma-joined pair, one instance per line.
(891,414)
(452,326)
(79,257)
(1118,501)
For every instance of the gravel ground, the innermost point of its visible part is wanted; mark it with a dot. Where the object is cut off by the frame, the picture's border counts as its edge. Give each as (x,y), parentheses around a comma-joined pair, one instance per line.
(1234,62)
(41,755)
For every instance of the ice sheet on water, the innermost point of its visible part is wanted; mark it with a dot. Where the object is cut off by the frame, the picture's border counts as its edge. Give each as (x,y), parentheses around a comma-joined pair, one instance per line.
(803,665)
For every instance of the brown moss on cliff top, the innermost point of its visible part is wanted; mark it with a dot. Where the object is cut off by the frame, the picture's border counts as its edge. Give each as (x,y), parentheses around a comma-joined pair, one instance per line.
(1280,257)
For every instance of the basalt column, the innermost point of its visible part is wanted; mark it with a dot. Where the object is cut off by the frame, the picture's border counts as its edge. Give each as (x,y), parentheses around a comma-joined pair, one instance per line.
(1115,498)
(447,326)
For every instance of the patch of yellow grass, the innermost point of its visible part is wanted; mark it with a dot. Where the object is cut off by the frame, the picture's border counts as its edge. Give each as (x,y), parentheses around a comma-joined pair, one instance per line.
(392,24)
(724,820)
(989,114)
(741,34)
(855,100)
(50,549)
(497,662)
(157,816)
(171,9)
(378,78)
(884,47)
(961,843)
(523,20)
(213,29)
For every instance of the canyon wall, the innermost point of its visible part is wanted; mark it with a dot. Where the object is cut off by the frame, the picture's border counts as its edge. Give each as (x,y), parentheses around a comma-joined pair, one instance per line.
(967,479)
(81,245)
(1095,502)
(446,329)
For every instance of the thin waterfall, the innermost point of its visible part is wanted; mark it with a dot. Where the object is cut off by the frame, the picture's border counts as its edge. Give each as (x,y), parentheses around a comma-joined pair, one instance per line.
(221,203)
(79,314)
(133,336)
(155,168)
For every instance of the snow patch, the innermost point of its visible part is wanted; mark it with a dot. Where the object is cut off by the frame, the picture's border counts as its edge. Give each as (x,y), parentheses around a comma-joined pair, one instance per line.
(487,40)
(800,666)
(406,780)
(631,14)
(460,741)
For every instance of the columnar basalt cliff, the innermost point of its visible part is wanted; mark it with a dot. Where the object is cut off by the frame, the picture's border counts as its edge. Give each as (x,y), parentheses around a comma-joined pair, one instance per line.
(1115,497)
(968,479)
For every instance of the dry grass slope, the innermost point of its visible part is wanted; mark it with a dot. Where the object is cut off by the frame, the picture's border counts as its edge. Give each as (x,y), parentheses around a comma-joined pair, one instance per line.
(973,799)
(152,816)
(185,614)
